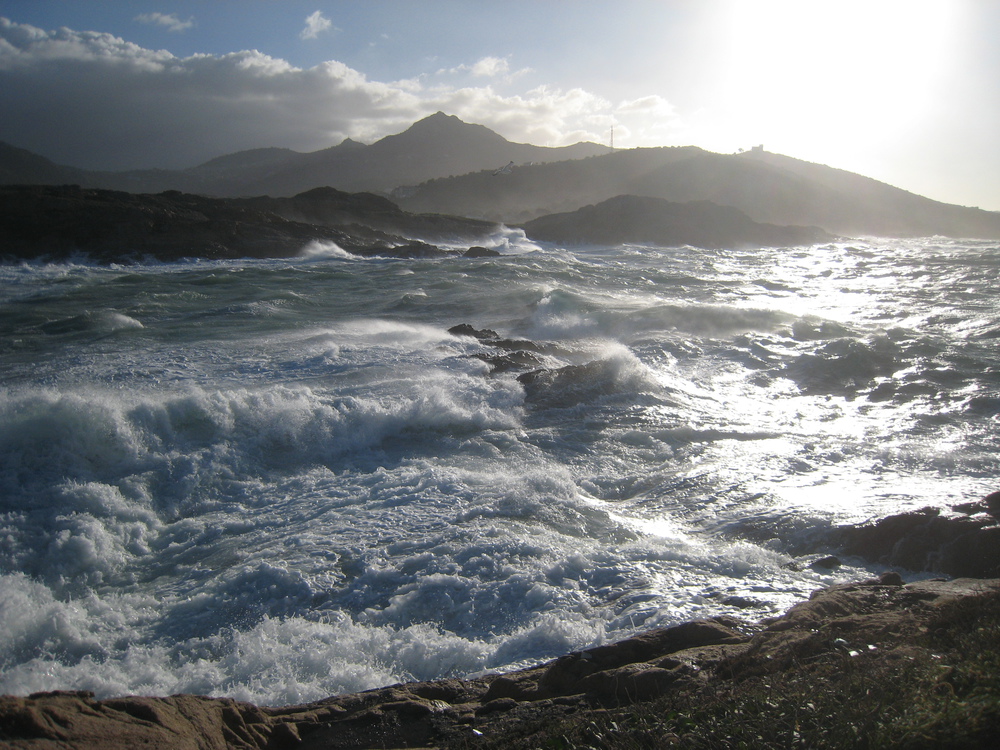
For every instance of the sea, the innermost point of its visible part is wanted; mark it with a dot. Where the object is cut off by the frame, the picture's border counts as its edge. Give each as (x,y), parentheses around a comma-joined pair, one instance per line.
(280,480)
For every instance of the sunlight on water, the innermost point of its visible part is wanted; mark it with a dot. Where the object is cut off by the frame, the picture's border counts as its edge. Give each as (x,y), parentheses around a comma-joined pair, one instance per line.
(282,480)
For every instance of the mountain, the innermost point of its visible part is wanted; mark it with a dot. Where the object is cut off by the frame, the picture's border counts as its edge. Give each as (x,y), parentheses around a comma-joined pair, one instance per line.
(437,146)
(769,188)
(18,166)
(443,165)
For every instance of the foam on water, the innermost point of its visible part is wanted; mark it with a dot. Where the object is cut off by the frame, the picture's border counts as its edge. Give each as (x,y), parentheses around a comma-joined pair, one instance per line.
(279,480)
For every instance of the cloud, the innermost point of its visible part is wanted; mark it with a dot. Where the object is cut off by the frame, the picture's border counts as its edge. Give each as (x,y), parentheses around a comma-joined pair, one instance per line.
(490,67)
(487,67)
(169,21)
(97,101)
(316,24)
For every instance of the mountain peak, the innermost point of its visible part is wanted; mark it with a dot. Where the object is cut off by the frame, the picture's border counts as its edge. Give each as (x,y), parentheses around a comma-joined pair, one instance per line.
(440,122)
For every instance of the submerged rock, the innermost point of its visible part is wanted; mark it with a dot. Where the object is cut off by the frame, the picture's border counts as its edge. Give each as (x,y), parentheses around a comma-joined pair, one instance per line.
(481,252)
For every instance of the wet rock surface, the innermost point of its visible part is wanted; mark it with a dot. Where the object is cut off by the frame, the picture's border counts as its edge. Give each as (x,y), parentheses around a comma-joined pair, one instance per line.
(853,621)
(929,540)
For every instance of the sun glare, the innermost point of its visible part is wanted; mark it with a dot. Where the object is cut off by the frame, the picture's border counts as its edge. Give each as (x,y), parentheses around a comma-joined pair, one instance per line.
(795,72)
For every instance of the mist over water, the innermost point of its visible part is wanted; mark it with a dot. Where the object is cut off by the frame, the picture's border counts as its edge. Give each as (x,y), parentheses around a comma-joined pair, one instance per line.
(280,480)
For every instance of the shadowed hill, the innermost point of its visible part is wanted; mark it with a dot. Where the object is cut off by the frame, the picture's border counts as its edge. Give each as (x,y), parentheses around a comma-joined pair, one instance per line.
(18,166)
(437,146)
(769,188)
(629,218)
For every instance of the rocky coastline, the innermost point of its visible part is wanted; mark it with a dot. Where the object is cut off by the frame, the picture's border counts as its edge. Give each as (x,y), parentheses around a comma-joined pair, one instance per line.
(872,626)
(839,626)
(56,222)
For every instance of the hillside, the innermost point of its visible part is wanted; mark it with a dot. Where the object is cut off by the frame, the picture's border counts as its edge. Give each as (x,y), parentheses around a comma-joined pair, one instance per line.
(443,165)
(768,188)
(633,219)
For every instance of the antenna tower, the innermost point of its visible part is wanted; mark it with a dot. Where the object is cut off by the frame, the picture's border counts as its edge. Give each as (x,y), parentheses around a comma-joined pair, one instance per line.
(612,137)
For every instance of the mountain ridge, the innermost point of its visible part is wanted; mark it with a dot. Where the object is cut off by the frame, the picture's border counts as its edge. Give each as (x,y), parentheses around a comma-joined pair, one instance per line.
(436,146)
(770,189)
(443,165)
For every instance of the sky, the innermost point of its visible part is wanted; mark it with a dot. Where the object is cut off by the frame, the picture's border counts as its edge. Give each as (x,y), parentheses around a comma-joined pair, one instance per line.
(905,91)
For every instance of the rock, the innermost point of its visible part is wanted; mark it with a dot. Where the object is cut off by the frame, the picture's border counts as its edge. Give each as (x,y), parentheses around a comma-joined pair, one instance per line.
(829,562)
(992,502)
(875,617)
(464,329)
(630,683)
(481,252)
(925,540)
(412,249)
(57,222)
(495,705)
(563,677)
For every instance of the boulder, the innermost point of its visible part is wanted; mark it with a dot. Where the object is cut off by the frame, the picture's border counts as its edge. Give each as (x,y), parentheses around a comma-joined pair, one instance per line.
(927,540)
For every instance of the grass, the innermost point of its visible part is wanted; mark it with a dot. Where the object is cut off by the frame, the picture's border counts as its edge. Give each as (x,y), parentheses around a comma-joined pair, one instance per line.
(940,689)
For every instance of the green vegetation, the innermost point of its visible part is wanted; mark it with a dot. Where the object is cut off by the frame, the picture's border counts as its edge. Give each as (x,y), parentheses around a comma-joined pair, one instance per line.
(940,689)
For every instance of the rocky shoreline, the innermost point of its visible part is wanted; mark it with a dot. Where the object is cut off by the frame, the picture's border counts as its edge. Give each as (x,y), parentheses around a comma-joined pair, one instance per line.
(862,621)
(58,222)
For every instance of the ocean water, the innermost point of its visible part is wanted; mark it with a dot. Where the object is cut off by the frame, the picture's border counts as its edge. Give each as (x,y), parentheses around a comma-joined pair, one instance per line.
(281,480)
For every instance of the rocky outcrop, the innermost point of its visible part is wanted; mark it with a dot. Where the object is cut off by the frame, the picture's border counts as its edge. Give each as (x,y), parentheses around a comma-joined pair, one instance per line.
(329,207)
(929,540)
(630,218)
(869,620)
(56,222)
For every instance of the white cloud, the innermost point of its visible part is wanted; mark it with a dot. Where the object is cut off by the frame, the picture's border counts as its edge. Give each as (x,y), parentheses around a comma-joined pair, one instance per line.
(169,21)
(491,66)
(487,67)
(316,24)
(97,101)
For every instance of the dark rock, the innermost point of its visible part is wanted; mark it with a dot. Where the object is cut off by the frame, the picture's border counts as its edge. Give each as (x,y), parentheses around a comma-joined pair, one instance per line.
(925,540)
(493,706)
(892,578)
(519,686)
(630,683)
(563,676)
(412,249)
(464,329)
(481,252)
(992,502)
(829,562)
(500,363)
(56,222)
